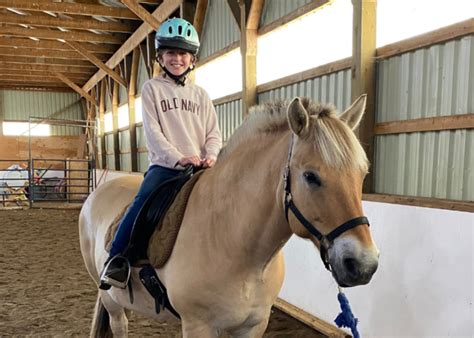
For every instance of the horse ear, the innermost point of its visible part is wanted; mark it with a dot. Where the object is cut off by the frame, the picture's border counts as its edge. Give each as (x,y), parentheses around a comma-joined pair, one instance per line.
(298,118)
(354,113)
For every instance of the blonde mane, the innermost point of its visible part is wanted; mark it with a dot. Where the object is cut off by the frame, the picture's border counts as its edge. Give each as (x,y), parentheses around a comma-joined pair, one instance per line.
(332,138)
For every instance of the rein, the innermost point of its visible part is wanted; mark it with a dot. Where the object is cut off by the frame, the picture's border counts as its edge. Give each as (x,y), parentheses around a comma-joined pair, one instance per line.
(326,241)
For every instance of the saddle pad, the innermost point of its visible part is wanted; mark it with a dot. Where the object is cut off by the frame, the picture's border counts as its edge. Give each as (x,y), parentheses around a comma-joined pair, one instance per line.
(162,241)
(163,238)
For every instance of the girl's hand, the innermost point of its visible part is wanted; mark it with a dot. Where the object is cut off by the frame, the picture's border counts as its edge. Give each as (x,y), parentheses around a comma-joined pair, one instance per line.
(208,163)
(194,160)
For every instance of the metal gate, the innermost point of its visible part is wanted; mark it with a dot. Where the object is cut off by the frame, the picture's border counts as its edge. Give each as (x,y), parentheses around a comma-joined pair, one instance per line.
(55,180)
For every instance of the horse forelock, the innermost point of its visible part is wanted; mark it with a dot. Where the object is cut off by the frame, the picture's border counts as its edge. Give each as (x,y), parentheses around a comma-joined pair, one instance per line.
(332,138)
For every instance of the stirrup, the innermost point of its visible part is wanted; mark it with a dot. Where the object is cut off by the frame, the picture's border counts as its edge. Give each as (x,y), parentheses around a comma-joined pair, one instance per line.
(115,273)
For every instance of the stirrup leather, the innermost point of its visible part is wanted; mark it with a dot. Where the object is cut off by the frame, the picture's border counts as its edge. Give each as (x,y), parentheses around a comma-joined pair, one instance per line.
(116,272)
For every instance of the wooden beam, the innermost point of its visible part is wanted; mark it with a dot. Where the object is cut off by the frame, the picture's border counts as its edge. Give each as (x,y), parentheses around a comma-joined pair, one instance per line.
(328,68)
(97,62)
(425,40)
(22,88)
(74,71)
(234,6)
(69,8)
(310,6)
(248,49)
(29,79)
(187,10)
(46,61)
(363,74)
(39,73)
(54,44)
(131,108)
(437,123)
(115,131)
(76,23)
(76,88)
(161,13)
(320,325)
(227,98)
(200,15)
(142,13)
(254,14)
(57,34)
(103,151)
(42,77)
(426,202)
(47,53)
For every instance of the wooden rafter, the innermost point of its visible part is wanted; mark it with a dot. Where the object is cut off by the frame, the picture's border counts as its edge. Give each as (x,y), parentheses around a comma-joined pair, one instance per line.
(200,15)
(40,73)
(76,23)
(45,61)
(78,89)
(97,62)
(69,8)
(161,13)
(19,67)
(47,53)
(27,78)
(57,34)
(142,13)
(53,44)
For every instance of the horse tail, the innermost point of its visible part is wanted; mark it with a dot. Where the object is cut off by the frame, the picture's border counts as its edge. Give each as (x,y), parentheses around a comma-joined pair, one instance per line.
(100,322)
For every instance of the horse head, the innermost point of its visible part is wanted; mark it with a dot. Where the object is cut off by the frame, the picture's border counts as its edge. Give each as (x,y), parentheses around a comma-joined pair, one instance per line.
(323,188)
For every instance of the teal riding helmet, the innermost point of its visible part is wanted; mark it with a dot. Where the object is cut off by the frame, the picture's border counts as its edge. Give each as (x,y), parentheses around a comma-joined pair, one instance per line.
(177,33)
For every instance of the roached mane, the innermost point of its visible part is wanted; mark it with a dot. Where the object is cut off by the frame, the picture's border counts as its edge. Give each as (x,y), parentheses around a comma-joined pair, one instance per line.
(332,138)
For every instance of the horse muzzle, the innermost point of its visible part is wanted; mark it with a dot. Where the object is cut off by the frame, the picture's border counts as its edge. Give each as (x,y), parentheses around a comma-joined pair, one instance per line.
(352,265)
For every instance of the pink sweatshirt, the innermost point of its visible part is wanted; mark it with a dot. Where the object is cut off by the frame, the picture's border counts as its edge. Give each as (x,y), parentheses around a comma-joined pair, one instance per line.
(178,121)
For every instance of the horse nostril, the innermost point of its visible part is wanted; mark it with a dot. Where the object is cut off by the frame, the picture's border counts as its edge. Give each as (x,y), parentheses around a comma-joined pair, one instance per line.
(352,266)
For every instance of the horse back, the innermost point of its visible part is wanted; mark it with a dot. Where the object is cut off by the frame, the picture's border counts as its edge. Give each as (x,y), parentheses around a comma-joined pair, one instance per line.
(98,212)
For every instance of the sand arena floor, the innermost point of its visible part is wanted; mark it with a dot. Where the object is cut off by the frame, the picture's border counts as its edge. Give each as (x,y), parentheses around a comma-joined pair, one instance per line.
(46,291)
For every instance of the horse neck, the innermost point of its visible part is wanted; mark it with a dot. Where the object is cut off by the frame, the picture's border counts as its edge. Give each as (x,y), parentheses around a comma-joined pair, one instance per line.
(251,180)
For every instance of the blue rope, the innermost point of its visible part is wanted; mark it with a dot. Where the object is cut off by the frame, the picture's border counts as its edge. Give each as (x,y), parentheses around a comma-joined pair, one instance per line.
(346,317)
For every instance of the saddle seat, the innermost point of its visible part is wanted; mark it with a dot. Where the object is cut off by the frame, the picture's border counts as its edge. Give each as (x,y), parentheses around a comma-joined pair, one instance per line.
(157,225)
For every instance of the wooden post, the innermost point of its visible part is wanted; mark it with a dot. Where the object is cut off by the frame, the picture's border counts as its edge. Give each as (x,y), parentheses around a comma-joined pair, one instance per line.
(363,74)
(131,108)
(248,49)
(187,10)
(115,101)
(103,151)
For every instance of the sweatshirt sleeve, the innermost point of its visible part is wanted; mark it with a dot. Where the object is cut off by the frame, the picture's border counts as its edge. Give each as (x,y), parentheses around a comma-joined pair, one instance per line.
(155,140)
(213,134)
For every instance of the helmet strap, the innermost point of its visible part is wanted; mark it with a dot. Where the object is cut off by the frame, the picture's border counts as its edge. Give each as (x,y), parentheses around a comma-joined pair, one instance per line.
(179,79)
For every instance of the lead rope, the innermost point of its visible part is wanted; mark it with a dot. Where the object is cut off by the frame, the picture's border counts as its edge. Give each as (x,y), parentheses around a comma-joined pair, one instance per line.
(346,318)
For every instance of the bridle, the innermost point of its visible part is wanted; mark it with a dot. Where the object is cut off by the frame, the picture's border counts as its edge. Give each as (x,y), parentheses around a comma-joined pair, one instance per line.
(326,241)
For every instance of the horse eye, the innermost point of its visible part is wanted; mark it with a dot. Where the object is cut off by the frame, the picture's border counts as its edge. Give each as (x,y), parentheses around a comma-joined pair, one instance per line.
(312,178)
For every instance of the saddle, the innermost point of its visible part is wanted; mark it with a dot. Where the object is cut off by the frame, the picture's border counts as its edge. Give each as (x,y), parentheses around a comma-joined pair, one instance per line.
(160,217)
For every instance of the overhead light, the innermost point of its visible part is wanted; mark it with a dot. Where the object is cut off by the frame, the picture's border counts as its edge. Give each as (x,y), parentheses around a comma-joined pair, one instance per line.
(61,40)
(23,25)
(63,29)
(16,11)
(95,31)
(34,39)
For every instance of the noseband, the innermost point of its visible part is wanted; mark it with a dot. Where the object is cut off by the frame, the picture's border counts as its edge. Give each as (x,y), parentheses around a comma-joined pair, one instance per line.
(326,241)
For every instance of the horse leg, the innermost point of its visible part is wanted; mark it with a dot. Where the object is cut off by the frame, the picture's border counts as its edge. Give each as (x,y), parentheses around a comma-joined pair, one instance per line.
(117,316)
(195,328)
(256,331)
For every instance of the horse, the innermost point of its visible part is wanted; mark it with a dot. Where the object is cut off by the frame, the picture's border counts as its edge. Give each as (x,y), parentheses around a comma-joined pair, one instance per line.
(292,167)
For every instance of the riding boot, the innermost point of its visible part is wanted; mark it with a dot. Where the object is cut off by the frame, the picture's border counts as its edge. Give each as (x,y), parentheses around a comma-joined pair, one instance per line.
(116,272)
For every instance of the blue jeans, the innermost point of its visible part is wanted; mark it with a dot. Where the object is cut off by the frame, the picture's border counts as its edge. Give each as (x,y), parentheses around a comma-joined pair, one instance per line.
(153,178)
